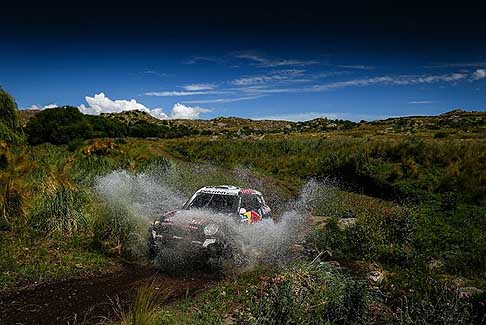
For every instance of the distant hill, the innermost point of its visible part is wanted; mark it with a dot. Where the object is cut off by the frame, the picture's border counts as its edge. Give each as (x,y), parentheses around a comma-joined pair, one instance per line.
(232,124)
(455,119)
(240,127)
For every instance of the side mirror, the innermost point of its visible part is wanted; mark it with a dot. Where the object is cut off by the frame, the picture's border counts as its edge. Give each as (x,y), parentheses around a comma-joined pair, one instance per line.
(242,210)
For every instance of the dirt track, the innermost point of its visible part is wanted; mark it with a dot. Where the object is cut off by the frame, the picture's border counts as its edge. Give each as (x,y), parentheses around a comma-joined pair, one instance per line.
(87,301)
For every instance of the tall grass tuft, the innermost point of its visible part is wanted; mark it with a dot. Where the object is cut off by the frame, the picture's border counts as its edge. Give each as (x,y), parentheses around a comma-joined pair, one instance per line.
(309,293)
(440,305)
(144,309)
(60,212)
(11,208)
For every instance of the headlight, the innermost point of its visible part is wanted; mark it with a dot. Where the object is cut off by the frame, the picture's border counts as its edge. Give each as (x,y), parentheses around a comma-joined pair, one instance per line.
(211,229)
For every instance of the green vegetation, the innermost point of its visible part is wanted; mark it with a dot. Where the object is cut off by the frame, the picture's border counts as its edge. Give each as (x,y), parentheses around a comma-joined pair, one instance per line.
(407,167)
(67,125)
(402,197)
(299,294)
(144,309)
(10,129)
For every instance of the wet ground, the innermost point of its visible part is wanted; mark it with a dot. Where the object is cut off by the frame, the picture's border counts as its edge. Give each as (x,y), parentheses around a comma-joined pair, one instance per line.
(92,300)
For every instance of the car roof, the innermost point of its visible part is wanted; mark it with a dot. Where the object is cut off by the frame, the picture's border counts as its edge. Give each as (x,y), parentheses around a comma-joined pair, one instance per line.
(228,190)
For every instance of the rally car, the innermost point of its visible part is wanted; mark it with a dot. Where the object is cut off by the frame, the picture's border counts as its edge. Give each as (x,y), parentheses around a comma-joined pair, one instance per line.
(203,227)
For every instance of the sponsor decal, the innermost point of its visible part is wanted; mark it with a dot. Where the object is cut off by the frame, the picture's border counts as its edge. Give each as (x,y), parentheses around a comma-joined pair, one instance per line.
(247,191)
(250,217)
(222,192)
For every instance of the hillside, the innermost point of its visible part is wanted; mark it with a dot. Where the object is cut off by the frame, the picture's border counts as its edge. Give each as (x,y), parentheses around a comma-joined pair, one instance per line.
(469,122)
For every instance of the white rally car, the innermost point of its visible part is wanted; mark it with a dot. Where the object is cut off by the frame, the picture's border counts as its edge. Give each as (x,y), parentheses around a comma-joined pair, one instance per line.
(202,228)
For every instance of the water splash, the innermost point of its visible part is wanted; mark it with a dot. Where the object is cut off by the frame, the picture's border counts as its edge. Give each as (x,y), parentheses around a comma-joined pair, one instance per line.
(147,196)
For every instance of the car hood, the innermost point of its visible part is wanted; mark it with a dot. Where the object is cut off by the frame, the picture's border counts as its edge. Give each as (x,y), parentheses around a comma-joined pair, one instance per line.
(192,219)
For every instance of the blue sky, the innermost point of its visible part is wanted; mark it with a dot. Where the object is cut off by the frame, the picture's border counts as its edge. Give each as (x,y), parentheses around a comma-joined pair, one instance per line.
(295,75)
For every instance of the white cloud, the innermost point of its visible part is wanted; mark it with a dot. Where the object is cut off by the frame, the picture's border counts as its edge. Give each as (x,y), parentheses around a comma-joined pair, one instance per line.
(35,107)
(422,102)
(183,93)
(199,87)
(158,113)
(102,104)
(222,100)
(274,76)
(479,74)
(181,111)
(394,80)
(357,67)
(266,62)
(458,65)
(196,59)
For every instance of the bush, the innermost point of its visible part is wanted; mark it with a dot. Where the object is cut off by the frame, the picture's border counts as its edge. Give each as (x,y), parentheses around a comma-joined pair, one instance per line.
(311,294)
(9,115)
(60,213)
(59,125)
(144,310)
(440,305)
(11,204)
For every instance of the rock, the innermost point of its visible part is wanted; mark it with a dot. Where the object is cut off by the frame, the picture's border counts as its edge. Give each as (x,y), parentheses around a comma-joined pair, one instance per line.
(345,223)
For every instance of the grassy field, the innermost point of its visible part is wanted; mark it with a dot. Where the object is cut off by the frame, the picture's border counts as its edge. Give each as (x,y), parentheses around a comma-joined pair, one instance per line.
(421,224)
(415,189)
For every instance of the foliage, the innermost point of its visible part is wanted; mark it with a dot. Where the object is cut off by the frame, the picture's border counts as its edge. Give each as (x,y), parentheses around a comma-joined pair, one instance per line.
(144,309)
(28,258)
(309,293)
(438,305)
(393,168)
(10,129)
(60,212)
(298,294)
(9,116)
(59,125)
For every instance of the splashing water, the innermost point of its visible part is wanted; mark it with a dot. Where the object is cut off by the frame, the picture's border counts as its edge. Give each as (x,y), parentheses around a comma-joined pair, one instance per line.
(142,194)
(148,197)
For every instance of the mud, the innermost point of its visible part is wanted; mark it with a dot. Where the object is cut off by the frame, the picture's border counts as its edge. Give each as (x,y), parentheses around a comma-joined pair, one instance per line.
(92,300)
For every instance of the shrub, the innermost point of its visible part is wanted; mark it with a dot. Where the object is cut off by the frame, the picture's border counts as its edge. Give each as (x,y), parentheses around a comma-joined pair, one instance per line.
(307,293)
(440,305)
(59,125)
(9,115)
(60,213)
(11,204)
(144,309)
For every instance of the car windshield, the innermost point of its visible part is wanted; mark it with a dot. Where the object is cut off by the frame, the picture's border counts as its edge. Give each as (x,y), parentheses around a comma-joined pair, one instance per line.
(216,202)
(250,202)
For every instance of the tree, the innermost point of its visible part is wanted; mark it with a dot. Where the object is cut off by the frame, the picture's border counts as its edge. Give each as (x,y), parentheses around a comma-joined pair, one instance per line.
(9,114)
(59,125)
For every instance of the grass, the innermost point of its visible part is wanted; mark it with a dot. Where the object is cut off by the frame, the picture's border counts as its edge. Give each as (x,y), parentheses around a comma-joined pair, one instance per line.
(25,260)
(299,294)
(418,200)
(57,205)
(144,309)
